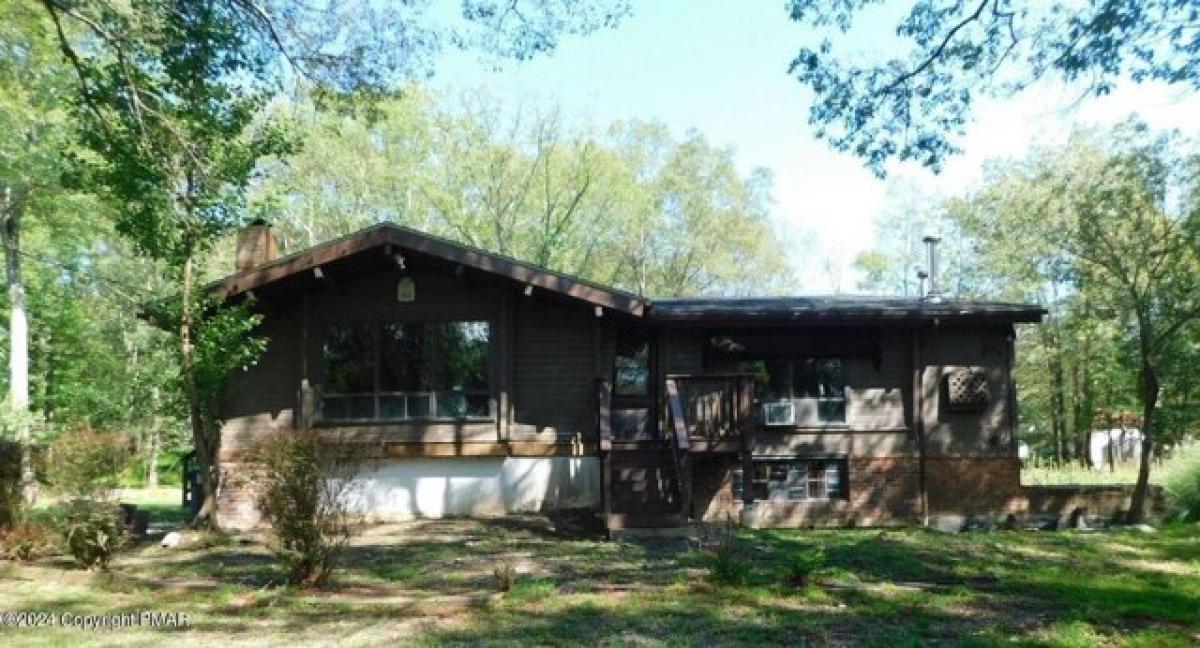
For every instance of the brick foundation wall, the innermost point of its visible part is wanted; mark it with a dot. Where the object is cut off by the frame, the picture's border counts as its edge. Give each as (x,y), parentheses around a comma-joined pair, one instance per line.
(974,485)
(237,501)
(883,491)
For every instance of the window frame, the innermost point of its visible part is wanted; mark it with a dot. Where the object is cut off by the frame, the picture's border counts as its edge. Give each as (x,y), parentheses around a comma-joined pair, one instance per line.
(376,395)
(796,394)
(771,485)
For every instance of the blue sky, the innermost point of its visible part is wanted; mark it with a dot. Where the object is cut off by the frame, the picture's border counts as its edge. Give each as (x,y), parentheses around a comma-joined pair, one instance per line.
(720,67)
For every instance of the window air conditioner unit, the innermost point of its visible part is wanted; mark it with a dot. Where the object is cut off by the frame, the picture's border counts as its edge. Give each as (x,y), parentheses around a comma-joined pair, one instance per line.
(779,413)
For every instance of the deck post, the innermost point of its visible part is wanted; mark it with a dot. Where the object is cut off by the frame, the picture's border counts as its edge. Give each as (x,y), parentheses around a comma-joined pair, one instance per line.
(745,423)
(604,432)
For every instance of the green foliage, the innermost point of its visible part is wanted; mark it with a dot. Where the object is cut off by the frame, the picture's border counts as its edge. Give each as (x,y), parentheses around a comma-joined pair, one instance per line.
(800,566)
(93,532)
(1182,486)
(630,205)
(728,562)
(27,541)
(10,484)
(914,104)
(306,485)
(86,463)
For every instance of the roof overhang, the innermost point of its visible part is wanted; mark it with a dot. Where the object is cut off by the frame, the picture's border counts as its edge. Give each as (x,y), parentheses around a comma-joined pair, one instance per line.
(407,239)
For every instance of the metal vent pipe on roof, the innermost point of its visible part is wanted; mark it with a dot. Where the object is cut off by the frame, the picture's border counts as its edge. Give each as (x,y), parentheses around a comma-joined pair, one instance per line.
(933,294)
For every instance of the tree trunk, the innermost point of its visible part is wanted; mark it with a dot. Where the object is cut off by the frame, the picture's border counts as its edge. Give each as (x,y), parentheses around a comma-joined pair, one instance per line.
(12,207)
(206,449)
(1150,389)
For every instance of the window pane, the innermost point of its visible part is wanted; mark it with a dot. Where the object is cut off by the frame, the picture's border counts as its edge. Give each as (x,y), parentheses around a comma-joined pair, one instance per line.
(458,355)
(402,363)
(392,407)
(820,378)
(347,354)
(631,365)
(418,405)
(831,410)
(348,407)
(478,405)
(834,484)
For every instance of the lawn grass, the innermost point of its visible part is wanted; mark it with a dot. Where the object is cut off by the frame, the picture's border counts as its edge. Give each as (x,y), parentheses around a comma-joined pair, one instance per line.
(431,583)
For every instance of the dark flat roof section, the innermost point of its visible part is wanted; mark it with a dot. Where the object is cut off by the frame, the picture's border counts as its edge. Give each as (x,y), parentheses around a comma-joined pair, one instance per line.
(837,307)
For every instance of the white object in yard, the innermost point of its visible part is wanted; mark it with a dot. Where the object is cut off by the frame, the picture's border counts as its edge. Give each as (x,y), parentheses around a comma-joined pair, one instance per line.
(1116,446)
(171,539)
(1022,451)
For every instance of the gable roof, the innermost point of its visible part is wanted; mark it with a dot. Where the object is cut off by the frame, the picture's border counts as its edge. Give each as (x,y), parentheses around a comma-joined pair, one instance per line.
(775,309)
(408,239)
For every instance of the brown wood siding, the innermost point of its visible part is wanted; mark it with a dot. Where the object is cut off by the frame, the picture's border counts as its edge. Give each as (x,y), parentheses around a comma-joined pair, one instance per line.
(555,365)
(982,433)
(264,398)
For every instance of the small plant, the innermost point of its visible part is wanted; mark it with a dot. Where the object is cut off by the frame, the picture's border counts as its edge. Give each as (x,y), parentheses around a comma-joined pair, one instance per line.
(93,532)
(506,575)
(88,464)
(1182,486)
(307,485)
(728,564)
(26,541)
(801,566)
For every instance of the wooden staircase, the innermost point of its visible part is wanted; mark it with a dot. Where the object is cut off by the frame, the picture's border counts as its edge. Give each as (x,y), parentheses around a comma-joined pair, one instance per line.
(644,487)
(648,483)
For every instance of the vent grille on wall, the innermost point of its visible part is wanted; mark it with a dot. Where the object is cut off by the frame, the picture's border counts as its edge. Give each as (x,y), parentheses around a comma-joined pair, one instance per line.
(967,389)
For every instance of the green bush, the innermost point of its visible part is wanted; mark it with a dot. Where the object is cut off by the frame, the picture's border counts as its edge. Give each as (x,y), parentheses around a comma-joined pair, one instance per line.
(27,541)
(1182,485)
(801,566)
(93,532)
(10,484)
(728,564)
(85,463)
(306,483)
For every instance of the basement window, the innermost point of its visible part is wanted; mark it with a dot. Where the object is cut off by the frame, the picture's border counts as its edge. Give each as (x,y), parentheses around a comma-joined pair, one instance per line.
(402,371)
(795,479)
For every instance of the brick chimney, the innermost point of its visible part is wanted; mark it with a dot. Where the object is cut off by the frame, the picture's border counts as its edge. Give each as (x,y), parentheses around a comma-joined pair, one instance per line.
(256,245)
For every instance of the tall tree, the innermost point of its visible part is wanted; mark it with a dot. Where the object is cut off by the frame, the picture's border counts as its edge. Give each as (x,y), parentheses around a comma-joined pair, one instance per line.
(32,138)
(914,105)
(1143,254)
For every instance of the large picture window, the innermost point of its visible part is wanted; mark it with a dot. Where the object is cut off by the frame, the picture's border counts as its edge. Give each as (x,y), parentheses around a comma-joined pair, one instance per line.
(397,371)
(819,382)
(794,479)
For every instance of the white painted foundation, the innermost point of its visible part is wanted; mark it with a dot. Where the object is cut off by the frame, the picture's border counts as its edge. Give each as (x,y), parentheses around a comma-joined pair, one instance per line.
(401,489)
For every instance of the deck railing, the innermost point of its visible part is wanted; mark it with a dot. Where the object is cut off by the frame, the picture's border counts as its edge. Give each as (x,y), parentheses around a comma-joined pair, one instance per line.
(715,407)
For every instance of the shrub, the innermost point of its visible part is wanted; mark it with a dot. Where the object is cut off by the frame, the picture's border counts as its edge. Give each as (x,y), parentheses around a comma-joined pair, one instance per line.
(506,575)
(86,463)
(93,532)
(26,541)
(306,488)
(728,565)
(10,483)
(1182,485)
(800,567)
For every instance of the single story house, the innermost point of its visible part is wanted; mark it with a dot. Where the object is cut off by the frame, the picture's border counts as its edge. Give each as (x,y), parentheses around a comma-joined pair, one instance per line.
(484,386)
